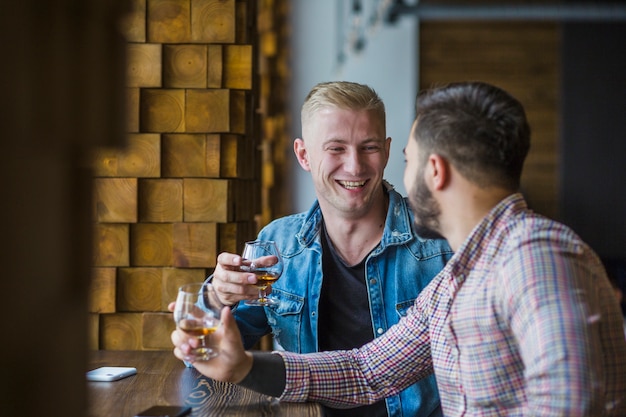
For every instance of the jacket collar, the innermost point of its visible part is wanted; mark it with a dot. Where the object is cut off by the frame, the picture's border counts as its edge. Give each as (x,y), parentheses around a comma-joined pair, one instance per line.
(397,231)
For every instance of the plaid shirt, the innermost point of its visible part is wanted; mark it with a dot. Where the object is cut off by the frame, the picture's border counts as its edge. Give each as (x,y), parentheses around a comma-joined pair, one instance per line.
(521,322)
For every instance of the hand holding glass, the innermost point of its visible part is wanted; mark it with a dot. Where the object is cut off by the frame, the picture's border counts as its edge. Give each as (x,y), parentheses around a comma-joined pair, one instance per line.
(196,321)
(264,260)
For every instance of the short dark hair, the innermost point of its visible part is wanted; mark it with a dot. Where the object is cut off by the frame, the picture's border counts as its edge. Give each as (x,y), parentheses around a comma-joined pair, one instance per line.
(481,129)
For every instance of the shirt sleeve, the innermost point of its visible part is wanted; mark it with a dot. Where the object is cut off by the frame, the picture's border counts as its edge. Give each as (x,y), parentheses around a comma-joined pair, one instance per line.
(554,310)
(379,369)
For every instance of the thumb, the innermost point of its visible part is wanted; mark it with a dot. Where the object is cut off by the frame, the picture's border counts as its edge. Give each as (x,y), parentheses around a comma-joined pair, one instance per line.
(231,335)
(227,318)
(232,363)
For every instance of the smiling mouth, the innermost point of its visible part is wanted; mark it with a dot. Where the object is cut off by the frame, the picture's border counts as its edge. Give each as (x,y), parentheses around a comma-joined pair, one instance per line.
(352,185)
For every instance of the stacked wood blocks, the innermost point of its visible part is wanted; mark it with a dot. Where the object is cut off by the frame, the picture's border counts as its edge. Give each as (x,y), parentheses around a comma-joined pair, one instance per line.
(186,185)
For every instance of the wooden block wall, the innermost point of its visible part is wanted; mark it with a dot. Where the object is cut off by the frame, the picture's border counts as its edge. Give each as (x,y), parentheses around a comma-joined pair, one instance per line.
(274,75)
(187,184)
(522,58)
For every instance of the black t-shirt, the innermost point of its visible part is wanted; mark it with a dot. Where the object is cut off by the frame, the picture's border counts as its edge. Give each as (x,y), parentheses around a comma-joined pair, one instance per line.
(344,316)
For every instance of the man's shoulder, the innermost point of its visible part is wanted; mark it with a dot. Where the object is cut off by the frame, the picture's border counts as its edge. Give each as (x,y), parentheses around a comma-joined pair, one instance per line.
(285,224)
(427,248)
(404,229)
(530,226)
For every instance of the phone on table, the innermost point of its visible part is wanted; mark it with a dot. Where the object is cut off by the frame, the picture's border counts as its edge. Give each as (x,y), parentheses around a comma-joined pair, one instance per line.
(165,411)
(110,373)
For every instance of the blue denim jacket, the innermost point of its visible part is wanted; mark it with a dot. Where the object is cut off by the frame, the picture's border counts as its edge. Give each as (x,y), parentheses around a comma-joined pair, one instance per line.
(397,270)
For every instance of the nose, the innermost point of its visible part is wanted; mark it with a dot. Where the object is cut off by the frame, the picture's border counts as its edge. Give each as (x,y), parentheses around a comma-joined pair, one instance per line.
(353,163)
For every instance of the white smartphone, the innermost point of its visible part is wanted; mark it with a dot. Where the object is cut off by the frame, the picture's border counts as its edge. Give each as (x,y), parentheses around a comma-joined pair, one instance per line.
(110,373)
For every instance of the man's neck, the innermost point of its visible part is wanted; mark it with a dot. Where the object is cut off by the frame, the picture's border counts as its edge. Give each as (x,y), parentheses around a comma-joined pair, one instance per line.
(469,210)
(354,238)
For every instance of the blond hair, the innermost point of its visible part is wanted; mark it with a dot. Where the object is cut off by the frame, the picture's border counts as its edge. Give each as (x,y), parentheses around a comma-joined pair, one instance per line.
(343,95)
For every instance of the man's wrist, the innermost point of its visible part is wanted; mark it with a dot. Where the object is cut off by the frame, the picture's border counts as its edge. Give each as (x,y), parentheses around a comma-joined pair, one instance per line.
(266,374)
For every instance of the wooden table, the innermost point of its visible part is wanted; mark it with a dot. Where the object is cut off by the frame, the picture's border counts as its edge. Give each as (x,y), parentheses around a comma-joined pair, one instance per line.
(164,380)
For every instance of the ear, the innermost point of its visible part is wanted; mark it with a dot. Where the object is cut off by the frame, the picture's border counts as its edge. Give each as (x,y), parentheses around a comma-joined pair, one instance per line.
(438,170)
(301,154)
(387,149)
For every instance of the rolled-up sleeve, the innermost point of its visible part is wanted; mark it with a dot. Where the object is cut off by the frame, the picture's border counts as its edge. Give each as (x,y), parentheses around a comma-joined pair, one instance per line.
(379,369)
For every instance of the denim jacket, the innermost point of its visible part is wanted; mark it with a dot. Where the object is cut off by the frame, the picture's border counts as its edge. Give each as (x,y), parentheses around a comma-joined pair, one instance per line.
(397,270)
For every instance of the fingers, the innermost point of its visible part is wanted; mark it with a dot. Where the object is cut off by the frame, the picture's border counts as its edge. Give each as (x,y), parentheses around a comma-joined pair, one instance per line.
(234,362)
(183,345)
(231,284)
(231,364)
(229,260)
(268,260)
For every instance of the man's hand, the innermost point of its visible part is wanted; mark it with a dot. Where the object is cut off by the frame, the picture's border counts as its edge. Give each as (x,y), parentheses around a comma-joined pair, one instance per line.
(232,363)
(231,284)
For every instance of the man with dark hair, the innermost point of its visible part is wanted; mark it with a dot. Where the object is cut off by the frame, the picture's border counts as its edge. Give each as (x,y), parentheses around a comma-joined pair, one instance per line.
(522,320)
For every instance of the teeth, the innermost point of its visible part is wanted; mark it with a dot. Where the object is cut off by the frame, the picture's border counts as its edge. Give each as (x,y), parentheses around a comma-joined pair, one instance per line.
(352,184)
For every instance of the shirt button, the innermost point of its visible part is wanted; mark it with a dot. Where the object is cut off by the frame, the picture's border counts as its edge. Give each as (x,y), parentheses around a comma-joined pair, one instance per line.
(313,314)
(372,281)
(380,331)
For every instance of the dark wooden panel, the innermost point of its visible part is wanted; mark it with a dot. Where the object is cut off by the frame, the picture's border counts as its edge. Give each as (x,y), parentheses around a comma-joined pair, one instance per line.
(524,59)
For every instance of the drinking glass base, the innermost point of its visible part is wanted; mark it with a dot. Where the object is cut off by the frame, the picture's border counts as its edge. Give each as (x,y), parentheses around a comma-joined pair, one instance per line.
(262,302)
(201,354)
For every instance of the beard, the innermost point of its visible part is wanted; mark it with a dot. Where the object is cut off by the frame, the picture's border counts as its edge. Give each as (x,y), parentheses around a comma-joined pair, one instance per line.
(426,210)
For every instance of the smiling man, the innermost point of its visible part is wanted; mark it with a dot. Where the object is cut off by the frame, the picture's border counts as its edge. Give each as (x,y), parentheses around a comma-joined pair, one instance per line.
(522,321)
(353,262)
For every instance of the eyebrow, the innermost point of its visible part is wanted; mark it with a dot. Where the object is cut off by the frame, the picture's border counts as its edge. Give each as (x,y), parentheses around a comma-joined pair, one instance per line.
(338,140)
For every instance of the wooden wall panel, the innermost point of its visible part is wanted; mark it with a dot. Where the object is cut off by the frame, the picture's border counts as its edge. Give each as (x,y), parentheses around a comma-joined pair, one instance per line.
(161,200)
(232,236)
(134,23)
(156,330)
(111,244)
(213,21)
(238,67)
(208,110)
(162,110)
(121,331)
(195,245)
(102,296)
(214,74)
(140,158)
(144,65)
(115,200)
(169,21)
(274,76)
(185,186)
(151,244)
(93,331)
(191,155)
(522,58)
(207,200)
(132,109)
(139,289)
(174,278)
(185,66)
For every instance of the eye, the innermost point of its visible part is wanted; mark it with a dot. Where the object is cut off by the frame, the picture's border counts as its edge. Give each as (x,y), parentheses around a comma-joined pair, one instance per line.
(334,149)
(371,148)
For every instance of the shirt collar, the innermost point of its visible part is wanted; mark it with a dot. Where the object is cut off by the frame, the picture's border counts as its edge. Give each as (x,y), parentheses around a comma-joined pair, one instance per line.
(478,240)
(397,224)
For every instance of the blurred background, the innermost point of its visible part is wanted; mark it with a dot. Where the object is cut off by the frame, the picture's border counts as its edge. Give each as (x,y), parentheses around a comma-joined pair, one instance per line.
(143,137)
